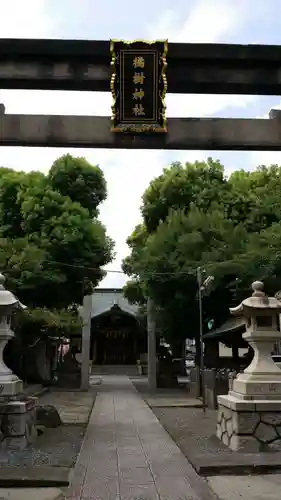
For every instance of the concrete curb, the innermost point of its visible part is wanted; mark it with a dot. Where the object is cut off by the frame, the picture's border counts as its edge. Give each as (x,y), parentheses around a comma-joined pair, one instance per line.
(34,477)
(222,466)
(173,405)
(41,392)
(37,391)
(31,494)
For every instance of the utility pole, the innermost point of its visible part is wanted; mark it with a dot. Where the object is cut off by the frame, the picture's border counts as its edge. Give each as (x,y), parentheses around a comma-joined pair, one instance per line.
(201,287)
(151,345)
(199,281)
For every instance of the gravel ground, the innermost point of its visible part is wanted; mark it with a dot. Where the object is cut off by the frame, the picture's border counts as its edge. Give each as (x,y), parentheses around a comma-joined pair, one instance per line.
(55,447)
(191,429)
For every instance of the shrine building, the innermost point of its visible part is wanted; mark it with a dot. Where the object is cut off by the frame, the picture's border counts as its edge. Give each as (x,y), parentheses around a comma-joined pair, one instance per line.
(117,337)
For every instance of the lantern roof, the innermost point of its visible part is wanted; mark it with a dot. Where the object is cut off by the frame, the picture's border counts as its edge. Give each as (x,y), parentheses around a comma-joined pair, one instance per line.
(8,298)
(258,301)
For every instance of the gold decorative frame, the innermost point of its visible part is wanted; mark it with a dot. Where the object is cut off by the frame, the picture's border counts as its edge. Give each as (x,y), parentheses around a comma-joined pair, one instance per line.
(139,128)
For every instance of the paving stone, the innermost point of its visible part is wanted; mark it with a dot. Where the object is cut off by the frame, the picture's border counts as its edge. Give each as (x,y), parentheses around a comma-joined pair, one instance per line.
(103,469)
(127,461)
(175,488)
(168,469)
(135,475)
(138,492)
(132,443)
(101,488)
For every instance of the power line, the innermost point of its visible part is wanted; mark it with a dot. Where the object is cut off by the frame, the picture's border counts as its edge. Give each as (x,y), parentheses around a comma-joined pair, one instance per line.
(115,271)
(119,271)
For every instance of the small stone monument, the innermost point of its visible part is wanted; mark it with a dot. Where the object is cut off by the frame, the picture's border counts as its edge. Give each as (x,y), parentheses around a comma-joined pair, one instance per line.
(249,416)
(17,413)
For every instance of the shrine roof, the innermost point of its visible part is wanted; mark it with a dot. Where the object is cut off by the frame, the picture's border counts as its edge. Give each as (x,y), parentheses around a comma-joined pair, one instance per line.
(105,298)
(231,325)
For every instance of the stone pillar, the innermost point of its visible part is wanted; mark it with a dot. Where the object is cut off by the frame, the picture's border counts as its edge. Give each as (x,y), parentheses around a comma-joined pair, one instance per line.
(86,339)
(151,345)
(249,416)
(17,413)
(2,117)
(94,351)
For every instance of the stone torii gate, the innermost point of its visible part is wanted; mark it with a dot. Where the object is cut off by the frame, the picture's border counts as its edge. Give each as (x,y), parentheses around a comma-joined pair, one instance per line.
(191,68)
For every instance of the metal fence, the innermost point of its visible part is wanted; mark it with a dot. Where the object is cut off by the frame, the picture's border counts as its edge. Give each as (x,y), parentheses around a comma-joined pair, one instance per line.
(217,382)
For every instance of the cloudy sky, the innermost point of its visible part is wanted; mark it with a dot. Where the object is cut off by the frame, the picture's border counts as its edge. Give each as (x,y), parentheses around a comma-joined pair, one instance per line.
(128,173)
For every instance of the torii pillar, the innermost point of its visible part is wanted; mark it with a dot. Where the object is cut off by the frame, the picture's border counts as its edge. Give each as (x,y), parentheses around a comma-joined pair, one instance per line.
(86,340)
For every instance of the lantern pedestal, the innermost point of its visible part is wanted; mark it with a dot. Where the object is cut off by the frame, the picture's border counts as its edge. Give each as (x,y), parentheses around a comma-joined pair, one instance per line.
(17,412)
(249,426)
(18,419)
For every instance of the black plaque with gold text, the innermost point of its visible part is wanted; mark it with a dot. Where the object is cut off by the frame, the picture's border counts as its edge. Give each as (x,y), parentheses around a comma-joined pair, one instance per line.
(138,86)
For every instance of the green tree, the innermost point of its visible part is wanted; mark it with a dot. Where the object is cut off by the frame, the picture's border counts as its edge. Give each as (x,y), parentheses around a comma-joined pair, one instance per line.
(179,187)
(168,266)
(254,197)
(262,260)
(10,211)
(81,181)
(193,216)
(52,247)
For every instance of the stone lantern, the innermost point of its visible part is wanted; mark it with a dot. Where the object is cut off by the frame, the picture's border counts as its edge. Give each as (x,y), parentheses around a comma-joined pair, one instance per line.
(249,416)
(17,412)
(10,384)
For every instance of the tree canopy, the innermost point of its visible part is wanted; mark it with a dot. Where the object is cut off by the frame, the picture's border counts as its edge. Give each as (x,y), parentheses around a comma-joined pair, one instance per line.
(52,244)
(80,181)
(193,215)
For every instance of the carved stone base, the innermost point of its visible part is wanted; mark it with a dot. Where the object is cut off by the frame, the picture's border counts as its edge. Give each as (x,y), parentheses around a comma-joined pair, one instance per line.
(18,419)
(249,426)
(251,388)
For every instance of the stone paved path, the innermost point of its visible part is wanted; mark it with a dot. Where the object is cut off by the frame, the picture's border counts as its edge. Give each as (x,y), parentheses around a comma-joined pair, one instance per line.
(127,455)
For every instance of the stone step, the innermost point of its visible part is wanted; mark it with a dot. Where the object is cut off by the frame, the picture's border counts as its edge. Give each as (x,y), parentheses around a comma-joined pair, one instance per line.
(130,370)
(31,494)
(33,477)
